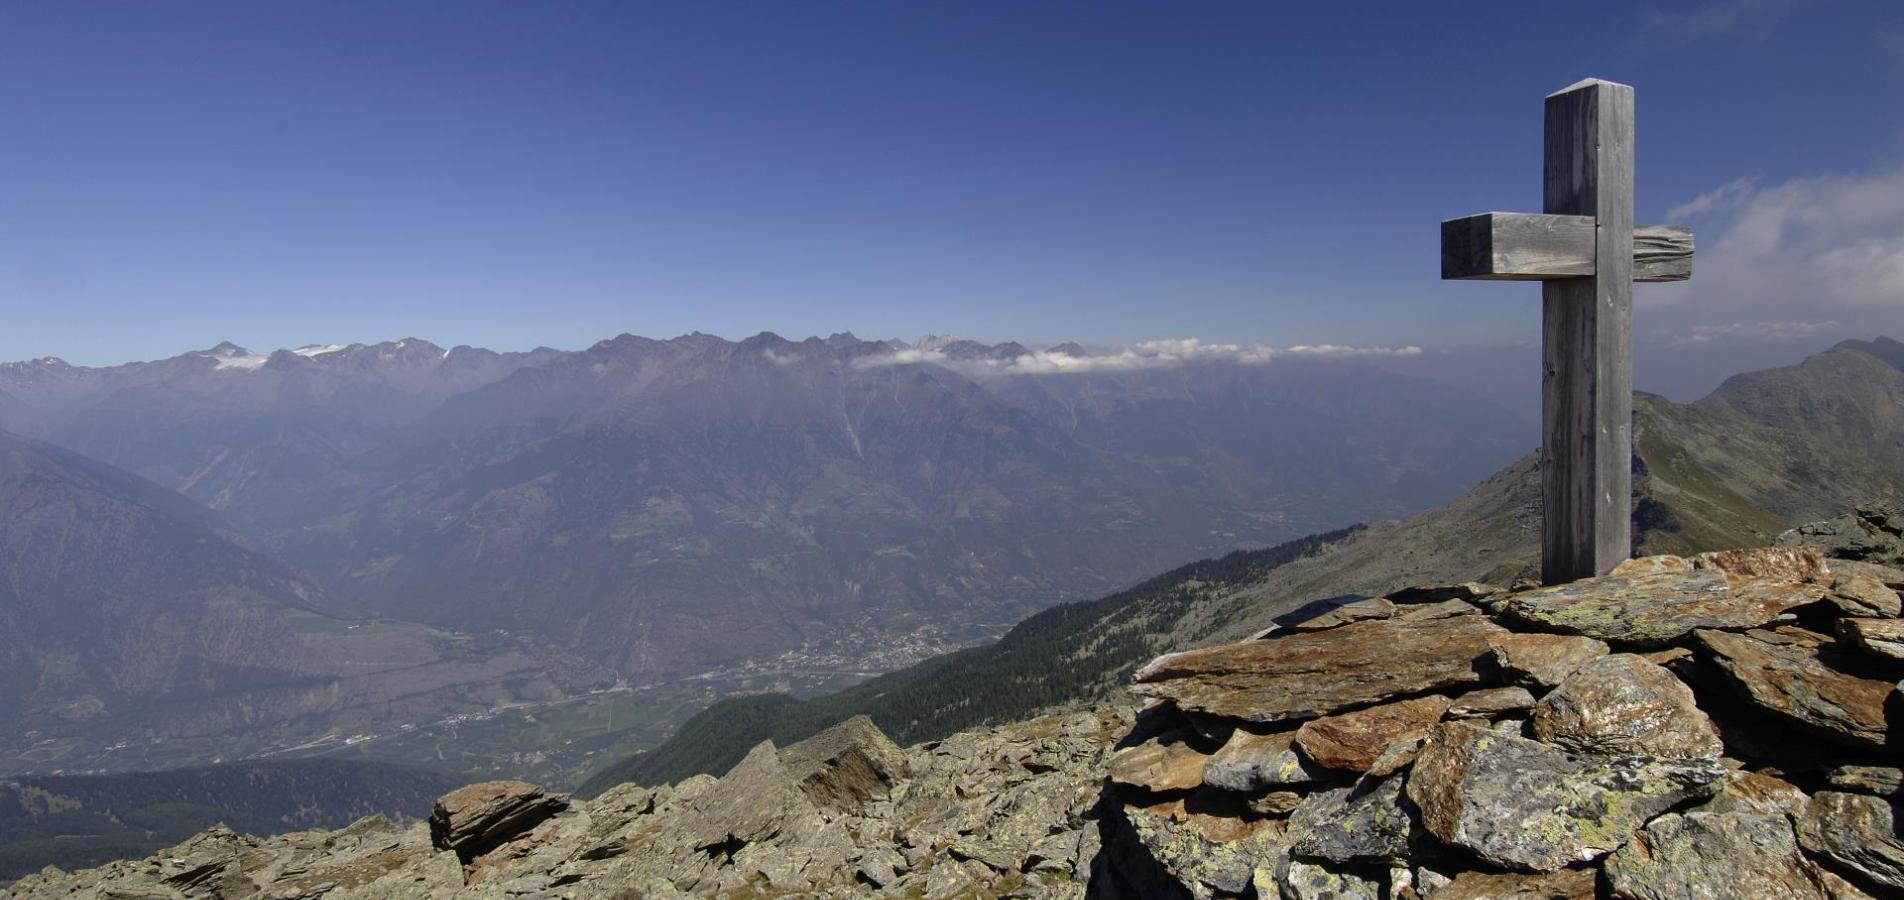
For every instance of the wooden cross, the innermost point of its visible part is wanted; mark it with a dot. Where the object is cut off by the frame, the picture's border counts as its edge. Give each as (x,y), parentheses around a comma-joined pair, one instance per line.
(1586,253)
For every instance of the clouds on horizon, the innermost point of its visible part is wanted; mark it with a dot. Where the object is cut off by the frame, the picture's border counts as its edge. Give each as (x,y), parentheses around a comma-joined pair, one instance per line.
(1798,258)
(1146,355)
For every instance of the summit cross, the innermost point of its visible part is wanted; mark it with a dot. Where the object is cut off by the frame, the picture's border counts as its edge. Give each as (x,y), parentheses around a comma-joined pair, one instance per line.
(1586,252)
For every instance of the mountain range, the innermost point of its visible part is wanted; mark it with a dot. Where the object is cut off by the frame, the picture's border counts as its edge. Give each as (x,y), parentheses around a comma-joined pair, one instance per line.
(230,552)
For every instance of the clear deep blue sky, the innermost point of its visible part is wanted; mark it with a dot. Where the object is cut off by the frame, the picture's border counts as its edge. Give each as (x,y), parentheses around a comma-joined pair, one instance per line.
(175,174)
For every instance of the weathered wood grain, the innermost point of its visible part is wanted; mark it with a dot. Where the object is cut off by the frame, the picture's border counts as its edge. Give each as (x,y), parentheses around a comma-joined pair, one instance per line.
(1587,410)
(1500,246)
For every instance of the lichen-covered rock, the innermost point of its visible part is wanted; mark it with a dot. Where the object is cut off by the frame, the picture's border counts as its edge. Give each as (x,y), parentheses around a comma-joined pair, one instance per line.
(1307,674)
(1625,704)
(1258,762)
(1525,805)
(1795,674)
(473,820)
(1738,854)
(1298,879)
(1857,832)
(1353,740)
(1206,853)
(1649,611)
(1372,821)
(1543,660)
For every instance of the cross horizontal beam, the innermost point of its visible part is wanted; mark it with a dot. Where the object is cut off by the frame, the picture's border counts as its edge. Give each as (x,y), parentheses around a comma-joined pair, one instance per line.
(1500,246)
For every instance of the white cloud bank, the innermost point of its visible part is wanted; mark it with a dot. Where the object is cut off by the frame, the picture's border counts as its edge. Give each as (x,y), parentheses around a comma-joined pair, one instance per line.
(1147,355)
(1791,259)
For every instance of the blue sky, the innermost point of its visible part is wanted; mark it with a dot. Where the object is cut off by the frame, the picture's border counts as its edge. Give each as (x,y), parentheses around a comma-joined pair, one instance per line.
(507,175)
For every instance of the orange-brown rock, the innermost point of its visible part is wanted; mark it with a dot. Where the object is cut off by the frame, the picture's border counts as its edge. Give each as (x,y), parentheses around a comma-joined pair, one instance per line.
(1625,704)
(1543,660)
(1167,762)
(1315,673)
(1354,740)
(1881,638)
(1789,672)
(1801,563)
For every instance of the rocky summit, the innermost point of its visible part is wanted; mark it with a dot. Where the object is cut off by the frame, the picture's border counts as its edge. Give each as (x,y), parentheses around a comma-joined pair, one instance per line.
(1702,727)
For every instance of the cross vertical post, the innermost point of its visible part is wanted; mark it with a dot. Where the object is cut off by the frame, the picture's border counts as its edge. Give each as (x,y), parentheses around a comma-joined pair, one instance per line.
(1586,252)
(1587,345)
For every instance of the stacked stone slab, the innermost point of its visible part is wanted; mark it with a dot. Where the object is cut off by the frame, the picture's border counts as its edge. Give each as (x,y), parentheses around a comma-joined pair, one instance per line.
(1709,727)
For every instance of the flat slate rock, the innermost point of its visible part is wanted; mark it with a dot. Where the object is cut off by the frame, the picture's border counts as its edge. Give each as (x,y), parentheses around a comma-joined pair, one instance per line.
(1524,805)
(1789,672)
(1625,704)
(1257,762)
(1354,740)
(1652,611)
(1543,660)
(1676,856)
(1314,673)
(1857,832)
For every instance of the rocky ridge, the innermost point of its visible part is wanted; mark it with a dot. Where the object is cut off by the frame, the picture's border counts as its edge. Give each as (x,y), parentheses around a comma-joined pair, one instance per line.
(1712,726)
(1708,727)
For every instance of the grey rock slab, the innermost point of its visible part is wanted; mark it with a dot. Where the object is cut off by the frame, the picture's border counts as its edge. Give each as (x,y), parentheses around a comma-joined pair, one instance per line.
(1625,704)
(474,820)
(1882,781)
(1371,821)
(1297,879)
(1525,805)
(847,765)
(1258,762)
(1857,832)
(1305,674)
(1707,854)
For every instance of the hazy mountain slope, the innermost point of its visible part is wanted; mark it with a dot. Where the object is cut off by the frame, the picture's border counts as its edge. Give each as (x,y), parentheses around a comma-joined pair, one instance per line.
(1709,476)
(263,438)
(1044,660)
(133,633)
(75,821)
(668,505)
